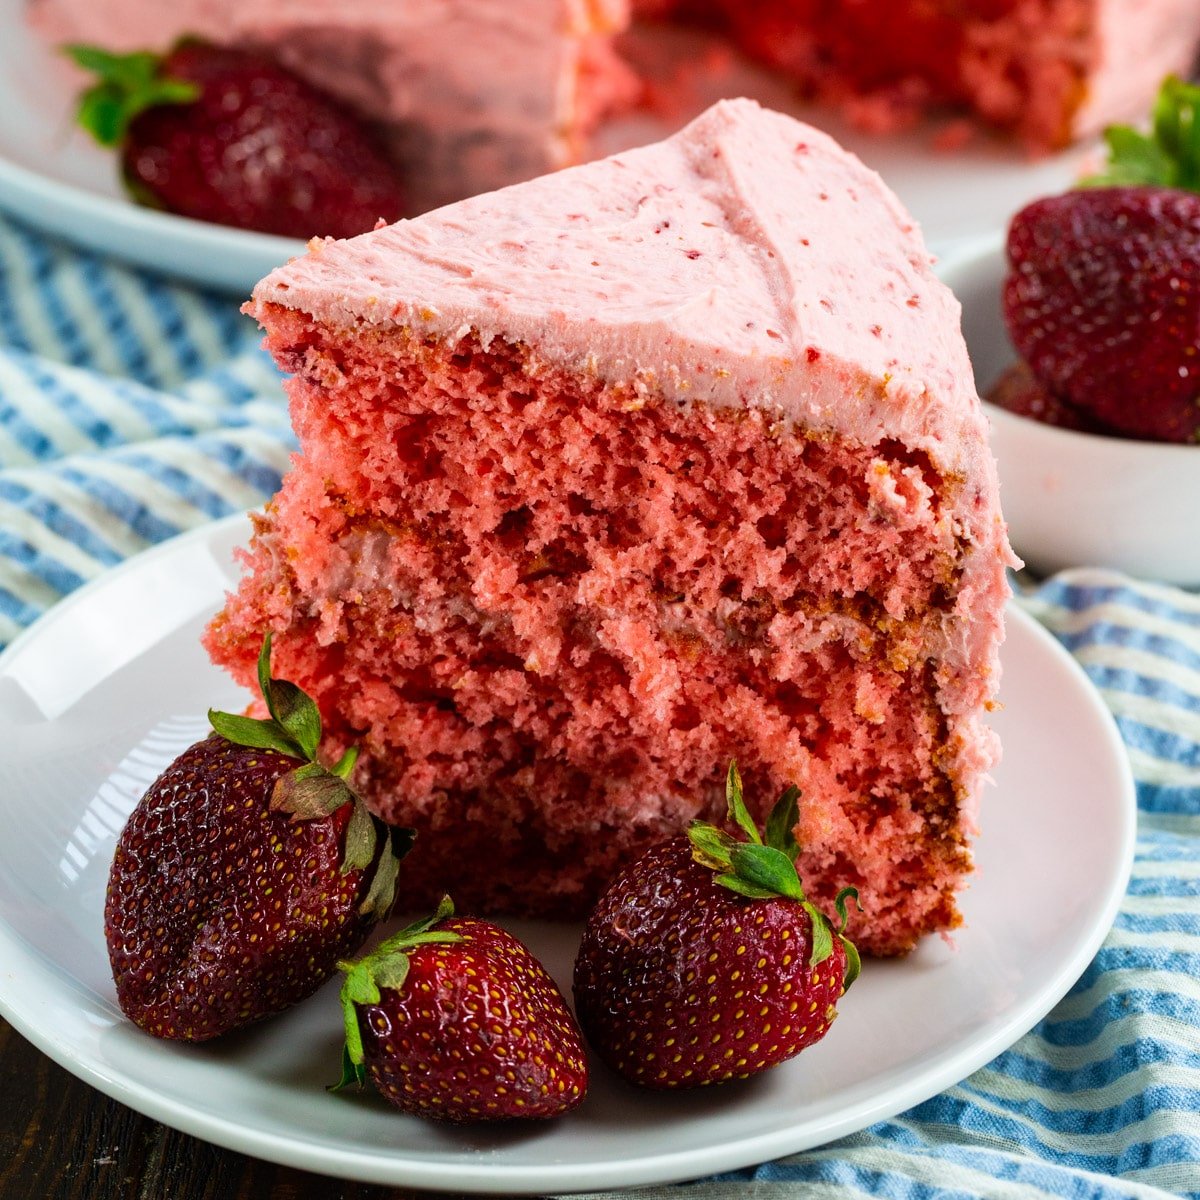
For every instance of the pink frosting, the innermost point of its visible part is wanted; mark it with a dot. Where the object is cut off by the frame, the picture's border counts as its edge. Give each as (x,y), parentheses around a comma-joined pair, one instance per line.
(721,265)
(746,261)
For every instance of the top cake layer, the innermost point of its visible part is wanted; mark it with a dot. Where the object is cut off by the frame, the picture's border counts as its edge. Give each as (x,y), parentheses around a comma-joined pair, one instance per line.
(747,262)
(719,266)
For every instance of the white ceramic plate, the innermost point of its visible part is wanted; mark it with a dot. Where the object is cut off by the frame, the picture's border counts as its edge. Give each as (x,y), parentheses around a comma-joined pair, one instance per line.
(1076,499)
(98,695)
(52,176)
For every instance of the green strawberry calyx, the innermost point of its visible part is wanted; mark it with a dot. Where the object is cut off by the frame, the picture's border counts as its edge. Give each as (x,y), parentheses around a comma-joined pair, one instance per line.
(126,85)
(312,790)
(385,967)
(764,868)
(1167,156)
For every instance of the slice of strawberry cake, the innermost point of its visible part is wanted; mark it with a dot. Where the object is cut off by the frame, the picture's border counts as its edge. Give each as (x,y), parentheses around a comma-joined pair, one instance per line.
(615,475)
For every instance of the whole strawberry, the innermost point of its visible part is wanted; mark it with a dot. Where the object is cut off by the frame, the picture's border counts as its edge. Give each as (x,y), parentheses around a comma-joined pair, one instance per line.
(228,136)
(244,874)
(453,1018)
(1103,294)
(703,961)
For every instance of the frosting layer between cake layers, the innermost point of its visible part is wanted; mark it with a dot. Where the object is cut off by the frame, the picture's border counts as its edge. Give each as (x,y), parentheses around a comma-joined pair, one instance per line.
(745,294)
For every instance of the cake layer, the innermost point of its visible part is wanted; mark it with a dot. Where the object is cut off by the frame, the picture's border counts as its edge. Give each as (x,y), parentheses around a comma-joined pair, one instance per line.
(746,262)
(615,475)
(469,95)
(549,624)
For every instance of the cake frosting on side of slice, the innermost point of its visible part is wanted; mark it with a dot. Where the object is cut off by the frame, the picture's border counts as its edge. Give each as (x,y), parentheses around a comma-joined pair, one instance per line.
(615,475)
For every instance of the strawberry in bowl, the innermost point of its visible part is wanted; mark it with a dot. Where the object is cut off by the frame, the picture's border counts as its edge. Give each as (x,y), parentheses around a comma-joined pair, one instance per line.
(1102,297)
(1084,331)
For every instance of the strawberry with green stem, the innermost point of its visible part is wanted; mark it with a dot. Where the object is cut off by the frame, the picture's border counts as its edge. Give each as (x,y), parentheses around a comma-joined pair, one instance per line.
(225,135)
(705,961)
(244,874)
(454,1019)
(1102,298)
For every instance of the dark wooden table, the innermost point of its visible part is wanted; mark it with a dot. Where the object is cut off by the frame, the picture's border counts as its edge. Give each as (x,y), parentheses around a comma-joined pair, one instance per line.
(62,1140)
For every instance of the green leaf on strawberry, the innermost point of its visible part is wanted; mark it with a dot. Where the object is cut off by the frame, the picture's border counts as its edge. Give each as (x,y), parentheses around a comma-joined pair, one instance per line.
(385,966)
(853,961)
(128,84)
(312,790)
(738,813)
(250,731)
(1169,156)
(761,869)
(290,707)
(769,871)
(382,892)
(781,822)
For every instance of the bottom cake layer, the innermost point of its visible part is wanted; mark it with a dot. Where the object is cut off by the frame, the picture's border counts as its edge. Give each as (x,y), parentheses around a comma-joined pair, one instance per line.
(550,612)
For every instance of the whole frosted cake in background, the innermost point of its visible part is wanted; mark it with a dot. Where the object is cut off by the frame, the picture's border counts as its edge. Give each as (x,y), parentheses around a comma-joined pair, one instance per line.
(612,476)
(477,94)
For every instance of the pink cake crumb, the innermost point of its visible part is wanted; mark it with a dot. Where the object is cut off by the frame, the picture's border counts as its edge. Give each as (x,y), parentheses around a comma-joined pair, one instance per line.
(1048,71)
(556,625)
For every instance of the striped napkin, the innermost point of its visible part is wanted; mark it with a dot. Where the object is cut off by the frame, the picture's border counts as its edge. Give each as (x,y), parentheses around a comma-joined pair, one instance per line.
(132,409)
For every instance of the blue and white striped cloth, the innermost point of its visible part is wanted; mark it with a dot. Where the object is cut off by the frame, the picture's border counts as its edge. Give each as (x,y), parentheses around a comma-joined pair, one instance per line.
(132,409)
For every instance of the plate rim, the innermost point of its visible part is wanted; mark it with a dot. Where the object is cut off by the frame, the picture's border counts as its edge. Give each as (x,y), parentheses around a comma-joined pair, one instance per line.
(25,961)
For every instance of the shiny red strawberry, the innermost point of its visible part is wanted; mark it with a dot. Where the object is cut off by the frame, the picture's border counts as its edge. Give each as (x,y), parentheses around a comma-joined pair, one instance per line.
(703,961)
(1103,302)
(1102,298)
(244,874)
(228,136)
(453,1018)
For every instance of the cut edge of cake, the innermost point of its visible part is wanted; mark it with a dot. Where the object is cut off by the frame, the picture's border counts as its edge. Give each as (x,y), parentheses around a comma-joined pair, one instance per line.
(746,284)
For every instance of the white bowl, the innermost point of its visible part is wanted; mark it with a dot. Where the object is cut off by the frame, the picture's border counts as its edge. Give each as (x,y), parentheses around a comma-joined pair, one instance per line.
(1077,499)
